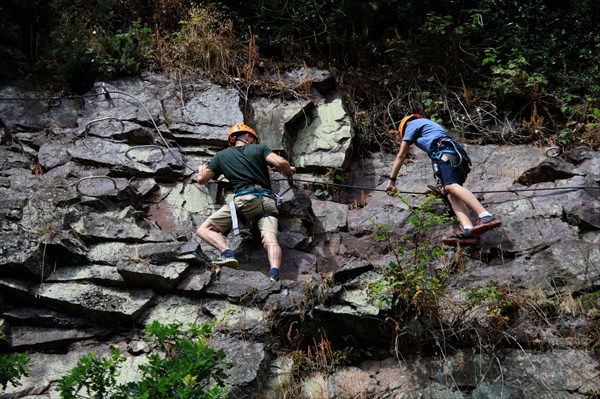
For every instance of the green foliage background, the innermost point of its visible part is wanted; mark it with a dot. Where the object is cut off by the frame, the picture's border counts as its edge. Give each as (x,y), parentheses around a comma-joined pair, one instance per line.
(526,69)
(182,366)
(12,367)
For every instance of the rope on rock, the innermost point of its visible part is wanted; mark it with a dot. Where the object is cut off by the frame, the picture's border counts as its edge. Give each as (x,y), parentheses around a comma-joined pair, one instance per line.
(422,193)
(57,101)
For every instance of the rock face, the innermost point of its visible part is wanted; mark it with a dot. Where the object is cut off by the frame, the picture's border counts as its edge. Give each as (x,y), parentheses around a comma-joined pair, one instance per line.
(100,205)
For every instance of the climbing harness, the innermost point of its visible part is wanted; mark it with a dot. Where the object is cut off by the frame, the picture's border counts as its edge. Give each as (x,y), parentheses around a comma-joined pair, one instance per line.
(257,191)
(454,155)
(446,150)
(234,220)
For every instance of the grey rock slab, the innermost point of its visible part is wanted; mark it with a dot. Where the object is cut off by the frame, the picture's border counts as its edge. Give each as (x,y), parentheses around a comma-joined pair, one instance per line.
(120,157)
(18,288)
(179,205)
(41,316)
(145,186)
(51,155)
(159,277)
(549,170)
(95,302)
(189,198)
(499,166)
(294,234)
(96,227)
(529,224)
(134,99)
(169,309)
(565,266)
(368,219)
(582,206)
(351,269)
(590,166)
(240,285)
(200,135)
(325,142)
(298,262)
(299,78)
(23,253)
(114,252)
(274,119)
(97,274)
(292,293)
(196,281)
(119,130)
(37,114)
(47,368)
(249,365)
(522,373)
(204,103)
(29,336)
(554,371)
(330,216)
(12,161)
(238,320)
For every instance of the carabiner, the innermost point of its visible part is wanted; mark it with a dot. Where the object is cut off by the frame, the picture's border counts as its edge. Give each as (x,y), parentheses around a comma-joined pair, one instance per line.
(553,151)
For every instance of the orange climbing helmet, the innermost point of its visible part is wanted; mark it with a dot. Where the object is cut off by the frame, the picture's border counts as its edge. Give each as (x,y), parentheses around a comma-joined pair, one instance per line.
(405,120)
(239,129)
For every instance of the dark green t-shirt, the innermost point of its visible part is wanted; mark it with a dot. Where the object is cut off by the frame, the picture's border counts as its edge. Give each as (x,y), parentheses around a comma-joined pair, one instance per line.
(243,166)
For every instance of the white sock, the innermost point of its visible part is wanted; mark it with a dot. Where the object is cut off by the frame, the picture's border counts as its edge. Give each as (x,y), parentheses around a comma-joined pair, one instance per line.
(485,214)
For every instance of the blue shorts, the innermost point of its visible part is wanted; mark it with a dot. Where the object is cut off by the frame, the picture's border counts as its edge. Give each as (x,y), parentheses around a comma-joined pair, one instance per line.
(452,174)
(455,169)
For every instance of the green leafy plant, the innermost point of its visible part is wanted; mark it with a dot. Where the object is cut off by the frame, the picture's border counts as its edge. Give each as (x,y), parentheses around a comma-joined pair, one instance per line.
(184,367)
(89,51)
(412,283)
(94,375)
(333,177)
(497,302)
(13,367)
(583,124)
(512,76)
(121,54)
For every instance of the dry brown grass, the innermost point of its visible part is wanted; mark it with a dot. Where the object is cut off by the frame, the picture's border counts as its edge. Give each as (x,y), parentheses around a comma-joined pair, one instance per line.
(205,45)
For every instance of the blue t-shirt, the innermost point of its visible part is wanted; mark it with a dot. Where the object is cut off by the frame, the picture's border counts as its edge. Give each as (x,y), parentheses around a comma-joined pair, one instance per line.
(423,132)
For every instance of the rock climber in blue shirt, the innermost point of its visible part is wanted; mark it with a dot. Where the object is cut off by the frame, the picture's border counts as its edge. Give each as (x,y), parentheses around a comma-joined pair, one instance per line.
(451,166)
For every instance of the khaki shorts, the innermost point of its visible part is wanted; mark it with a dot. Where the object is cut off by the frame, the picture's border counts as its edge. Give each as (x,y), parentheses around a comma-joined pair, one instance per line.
(251,206)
